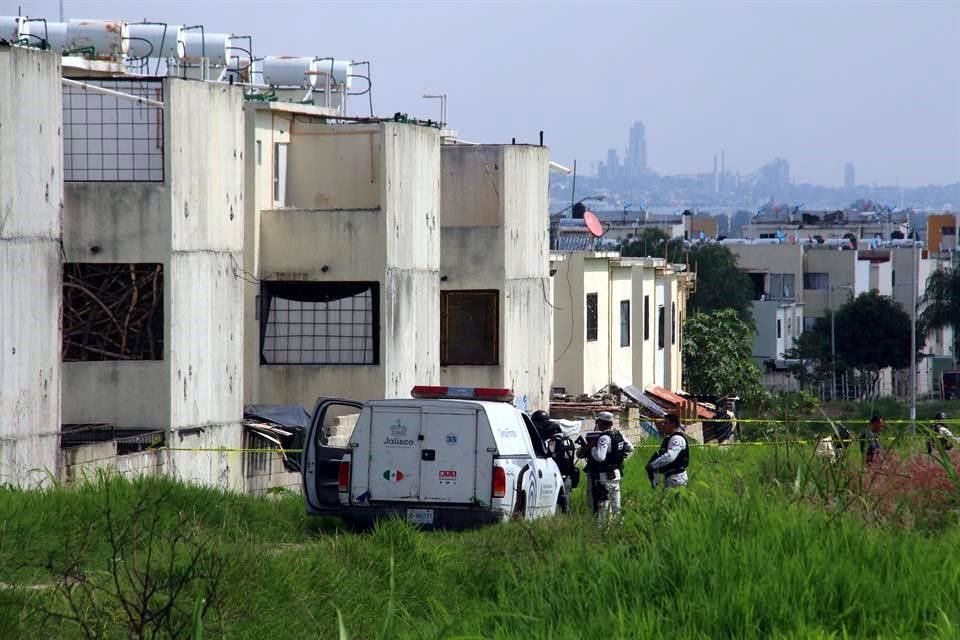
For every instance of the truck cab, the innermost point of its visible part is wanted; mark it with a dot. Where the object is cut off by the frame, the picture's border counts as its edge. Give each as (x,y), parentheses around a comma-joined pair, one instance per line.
(449,457)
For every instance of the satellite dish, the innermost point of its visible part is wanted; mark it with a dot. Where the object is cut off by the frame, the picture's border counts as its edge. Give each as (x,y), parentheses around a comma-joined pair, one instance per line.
(593,224)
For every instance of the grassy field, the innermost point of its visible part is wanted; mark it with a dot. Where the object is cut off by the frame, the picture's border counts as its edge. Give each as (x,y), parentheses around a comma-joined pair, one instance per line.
(767,542)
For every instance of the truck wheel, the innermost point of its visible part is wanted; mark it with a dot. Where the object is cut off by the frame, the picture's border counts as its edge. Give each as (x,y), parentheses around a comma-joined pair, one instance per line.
(520,508)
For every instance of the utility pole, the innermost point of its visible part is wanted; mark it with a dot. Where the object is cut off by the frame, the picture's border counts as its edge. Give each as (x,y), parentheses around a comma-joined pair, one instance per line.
(915,269)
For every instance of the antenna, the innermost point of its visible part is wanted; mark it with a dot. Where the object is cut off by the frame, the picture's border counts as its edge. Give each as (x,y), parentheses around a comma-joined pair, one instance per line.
(593,224)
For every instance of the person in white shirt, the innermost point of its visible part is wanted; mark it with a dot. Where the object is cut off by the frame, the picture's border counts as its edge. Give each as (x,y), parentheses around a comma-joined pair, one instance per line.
(939,431)
(605,467)
(672,458)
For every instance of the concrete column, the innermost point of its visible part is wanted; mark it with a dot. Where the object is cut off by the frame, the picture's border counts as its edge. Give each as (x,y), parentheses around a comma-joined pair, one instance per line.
(31,195)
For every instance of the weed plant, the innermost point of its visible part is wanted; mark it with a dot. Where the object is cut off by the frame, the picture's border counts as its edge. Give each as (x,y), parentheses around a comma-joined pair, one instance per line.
(768,541)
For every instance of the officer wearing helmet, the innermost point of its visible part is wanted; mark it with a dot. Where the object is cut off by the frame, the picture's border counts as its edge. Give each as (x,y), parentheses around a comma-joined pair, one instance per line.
(605,466)
(673,456)
(940,432)
(546,427)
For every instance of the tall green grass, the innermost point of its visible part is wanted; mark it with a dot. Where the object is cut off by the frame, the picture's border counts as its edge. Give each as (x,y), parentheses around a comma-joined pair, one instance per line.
(758,546)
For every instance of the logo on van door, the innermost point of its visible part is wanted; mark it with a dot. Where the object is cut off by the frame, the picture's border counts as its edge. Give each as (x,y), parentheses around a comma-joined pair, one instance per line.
(398,430)
(396,475)
(448,476)
(397,438)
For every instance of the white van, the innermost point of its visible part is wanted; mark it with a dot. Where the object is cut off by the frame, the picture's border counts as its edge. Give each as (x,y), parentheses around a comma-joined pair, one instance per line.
(449,457)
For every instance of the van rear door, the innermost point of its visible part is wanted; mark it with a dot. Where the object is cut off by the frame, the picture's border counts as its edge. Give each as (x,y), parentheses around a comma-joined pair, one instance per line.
(448,455)
(394,472)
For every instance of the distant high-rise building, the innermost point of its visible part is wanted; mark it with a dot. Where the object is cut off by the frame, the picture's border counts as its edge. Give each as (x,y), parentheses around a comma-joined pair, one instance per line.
(635,161)
(849,177)
(610,170)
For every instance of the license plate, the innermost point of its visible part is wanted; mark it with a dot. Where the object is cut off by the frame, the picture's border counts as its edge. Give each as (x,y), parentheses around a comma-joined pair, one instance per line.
(420,516)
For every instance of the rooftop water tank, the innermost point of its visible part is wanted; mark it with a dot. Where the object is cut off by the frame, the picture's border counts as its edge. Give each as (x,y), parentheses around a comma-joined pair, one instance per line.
(289,71)
(340,71)
(155,41)
(107,38)
(56,34)
(198,45)
(10,28)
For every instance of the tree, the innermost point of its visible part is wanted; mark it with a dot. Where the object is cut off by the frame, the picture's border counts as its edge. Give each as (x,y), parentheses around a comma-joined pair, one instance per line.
(873,333)
(942,304)
(717,350)
(655,243)
(812,351)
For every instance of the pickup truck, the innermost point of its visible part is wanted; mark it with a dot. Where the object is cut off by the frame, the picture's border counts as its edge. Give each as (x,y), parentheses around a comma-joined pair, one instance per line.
(449,457)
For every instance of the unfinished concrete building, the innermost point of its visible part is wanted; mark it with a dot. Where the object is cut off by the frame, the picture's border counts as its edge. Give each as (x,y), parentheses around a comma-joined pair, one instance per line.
(153,240)
(343,254)
(495,316)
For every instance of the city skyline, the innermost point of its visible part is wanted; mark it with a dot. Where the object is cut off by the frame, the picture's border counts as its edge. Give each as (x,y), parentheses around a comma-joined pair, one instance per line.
(820,84)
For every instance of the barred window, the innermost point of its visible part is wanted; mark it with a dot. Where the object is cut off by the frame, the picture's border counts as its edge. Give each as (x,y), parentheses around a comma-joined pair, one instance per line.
(112,311)
(320,323)
(107,138)
(469,327)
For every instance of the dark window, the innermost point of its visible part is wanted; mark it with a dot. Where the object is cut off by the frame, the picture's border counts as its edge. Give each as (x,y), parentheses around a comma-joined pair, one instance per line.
(779,328)
(781,286)
(673,323)
(469,327)
(661,317)
(280,174)
(948,231)
(591,317)
(112,312)
(624,323)
(646,317)
(319,323)
(813,281)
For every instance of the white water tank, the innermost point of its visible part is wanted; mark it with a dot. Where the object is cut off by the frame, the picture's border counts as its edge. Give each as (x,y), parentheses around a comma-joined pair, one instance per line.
(155,41)
(340,71)
(290,71)
(56,34)
(11,28)
(107,38)
(198,45)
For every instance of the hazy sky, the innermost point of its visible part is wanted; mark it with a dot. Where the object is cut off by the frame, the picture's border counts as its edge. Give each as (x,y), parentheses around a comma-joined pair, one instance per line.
(819,83)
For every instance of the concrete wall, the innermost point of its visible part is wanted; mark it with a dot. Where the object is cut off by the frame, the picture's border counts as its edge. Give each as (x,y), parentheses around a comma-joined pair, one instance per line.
(119,222)
(386,231)
(31,197)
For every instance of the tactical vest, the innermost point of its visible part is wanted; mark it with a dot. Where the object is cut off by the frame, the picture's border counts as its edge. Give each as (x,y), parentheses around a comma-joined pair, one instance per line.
(682,461)
(616,454)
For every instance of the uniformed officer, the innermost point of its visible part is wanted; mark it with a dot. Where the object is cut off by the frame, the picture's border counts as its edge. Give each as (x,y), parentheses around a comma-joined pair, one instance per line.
(672,458)
(605,467)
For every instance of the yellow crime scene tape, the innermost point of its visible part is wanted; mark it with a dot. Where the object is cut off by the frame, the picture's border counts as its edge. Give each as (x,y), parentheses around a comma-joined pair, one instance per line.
(645,444)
